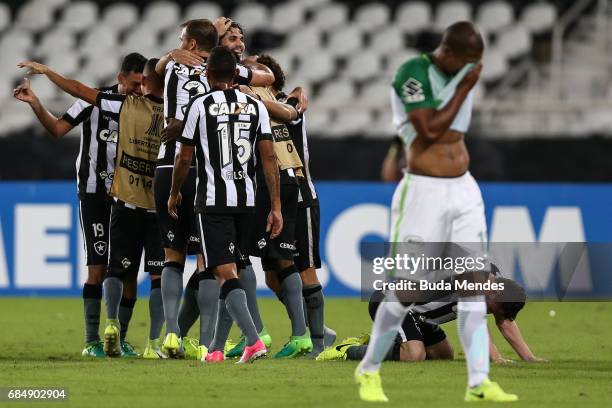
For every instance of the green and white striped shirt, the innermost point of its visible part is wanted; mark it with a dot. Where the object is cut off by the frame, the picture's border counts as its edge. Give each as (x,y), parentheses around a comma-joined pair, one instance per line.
(419,84)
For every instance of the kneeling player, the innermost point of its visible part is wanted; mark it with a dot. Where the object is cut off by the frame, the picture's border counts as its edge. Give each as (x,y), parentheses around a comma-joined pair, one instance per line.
(421,337)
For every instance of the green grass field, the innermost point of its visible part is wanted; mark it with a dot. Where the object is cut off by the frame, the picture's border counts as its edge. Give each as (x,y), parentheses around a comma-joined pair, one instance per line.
(42,339)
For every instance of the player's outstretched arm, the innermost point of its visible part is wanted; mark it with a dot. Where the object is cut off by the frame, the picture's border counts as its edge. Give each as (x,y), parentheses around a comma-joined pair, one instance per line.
(70,86)
(57,127)
(270,169)
(432,123)
(511,332)
(261,74)
(279,111)
(494,354)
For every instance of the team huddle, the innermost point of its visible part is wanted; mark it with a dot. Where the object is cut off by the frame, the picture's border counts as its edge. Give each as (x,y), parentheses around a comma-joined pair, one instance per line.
(201,152)
(253,196)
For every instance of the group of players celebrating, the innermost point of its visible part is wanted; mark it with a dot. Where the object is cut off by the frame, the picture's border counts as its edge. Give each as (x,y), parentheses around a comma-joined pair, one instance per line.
(200,152)
(253,196)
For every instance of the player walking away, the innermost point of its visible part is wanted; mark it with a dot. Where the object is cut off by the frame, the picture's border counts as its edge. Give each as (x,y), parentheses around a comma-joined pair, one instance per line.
(306,256)
(421,337)
(133,225)
(182,83)
(437,199)
(95,168)
(227,129)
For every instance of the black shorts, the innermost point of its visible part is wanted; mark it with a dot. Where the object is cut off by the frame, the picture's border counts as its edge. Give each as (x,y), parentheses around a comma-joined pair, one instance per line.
(412,328)
(224,236)
(307,229)
(132,231)
(283,246)
(94,213)
(181,234)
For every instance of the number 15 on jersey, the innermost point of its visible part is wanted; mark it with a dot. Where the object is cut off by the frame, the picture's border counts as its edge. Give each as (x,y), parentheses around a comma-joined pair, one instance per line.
(237,137)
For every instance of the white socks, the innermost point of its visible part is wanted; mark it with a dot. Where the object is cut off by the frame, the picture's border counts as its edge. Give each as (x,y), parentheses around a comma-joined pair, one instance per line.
(387,322)
(472,328)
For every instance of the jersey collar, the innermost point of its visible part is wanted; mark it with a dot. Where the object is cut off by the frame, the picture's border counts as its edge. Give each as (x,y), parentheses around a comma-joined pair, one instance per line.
(154,98)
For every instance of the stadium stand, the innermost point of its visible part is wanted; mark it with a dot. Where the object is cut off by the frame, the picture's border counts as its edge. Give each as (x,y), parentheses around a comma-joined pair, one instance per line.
(342,52)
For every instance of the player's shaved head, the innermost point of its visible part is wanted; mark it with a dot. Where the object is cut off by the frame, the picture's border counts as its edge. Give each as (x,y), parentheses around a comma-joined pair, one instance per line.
(150,65)
(151,82)
(149,71)
(463,39)
(221,64)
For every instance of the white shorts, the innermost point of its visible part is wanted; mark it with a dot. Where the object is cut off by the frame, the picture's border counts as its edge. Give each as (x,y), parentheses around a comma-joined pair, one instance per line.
(435,209)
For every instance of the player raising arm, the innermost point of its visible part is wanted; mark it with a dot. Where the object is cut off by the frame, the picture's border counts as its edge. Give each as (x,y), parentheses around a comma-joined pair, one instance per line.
(133,224)
(95,169)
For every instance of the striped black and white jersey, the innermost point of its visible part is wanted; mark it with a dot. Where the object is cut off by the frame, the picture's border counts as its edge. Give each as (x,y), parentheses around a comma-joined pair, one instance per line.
(225,126)
(95,163)
(437,312)
(297,130)
(183,83)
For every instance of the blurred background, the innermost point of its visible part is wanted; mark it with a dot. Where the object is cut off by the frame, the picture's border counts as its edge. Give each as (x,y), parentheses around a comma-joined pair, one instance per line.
(543,114)
(543,105)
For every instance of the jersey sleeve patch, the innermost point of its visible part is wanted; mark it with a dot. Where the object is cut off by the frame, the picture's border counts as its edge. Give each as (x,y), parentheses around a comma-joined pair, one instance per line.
(412,91)
(412,85)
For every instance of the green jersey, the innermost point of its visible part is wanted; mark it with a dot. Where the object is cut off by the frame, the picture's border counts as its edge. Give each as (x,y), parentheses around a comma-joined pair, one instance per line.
(419,84)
